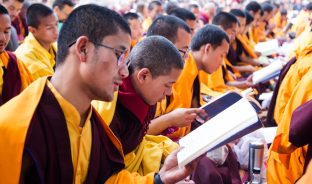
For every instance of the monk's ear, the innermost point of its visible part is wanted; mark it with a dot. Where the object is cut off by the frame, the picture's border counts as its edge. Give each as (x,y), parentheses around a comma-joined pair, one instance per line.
(207,48)
(32,30)
(81,48)
(143,75)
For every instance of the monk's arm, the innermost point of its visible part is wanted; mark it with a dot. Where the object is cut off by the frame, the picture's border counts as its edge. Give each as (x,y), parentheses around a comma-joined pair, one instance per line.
(179,117)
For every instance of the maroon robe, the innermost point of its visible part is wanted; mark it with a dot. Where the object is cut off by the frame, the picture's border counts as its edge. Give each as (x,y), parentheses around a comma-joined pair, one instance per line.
(300,131)
(132,117)
(207,172)
(47,145)
(11,80)
(270,117)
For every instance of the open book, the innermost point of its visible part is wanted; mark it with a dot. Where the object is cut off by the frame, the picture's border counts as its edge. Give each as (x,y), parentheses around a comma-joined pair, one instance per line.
(267,48)
(269,72)
(227,118)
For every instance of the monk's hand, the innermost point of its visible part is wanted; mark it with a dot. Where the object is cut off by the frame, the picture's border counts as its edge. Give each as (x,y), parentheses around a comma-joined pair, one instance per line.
(250,68)
(170,172)
(182,117)
(248,82)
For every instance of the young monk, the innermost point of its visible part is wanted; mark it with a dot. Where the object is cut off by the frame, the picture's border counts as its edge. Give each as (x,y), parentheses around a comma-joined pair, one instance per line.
(38,51)
(179,34)
(254,8)
(13,7)
(59,138)
(265,29)
(223,78)
(181,97)
(186,15)
(154,9)
(14,76)
(135,142)
(240,50)
(285,162)
(135,24)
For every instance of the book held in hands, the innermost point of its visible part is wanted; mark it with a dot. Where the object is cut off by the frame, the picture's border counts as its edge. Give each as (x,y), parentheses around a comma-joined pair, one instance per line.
(226,119)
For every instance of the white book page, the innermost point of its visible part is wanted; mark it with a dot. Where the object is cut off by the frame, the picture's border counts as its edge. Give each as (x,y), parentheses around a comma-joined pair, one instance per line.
(259,75)
(267,48)
(216,130)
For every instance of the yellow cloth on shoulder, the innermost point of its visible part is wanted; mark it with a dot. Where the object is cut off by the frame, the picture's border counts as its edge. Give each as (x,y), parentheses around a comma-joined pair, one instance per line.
(38,60)
(285,162)
(150,154)
(26,78)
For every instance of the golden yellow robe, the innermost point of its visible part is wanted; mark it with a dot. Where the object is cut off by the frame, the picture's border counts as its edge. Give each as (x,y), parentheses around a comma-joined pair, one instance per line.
(294,75)
(285,161)
(248,47)
(13,137)
(146,24)
(26,78)
(38,60)
(151,152)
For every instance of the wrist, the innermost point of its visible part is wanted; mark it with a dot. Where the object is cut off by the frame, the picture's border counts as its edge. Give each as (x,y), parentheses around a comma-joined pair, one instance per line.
(157,179)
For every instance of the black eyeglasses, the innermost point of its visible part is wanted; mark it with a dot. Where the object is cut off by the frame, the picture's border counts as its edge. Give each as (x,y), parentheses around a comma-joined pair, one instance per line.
(121,55)
(184,53)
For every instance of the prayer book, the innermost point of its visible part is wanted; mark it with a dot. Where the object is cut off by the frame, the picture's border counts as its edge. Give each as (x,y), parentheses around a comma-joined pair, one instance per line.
(267,73)
(226,119)
(268,47)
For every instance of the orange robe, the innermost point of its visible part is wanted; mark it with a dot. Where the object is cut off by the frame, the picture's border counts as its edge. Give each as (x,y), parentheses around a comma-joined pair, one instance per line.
(293,76)
(248,47)
(285,161)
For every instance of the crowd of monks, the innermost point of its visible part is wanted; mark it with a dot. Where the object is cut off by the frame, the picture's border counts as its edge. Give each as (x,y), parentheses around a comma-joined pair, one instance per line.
(92,95)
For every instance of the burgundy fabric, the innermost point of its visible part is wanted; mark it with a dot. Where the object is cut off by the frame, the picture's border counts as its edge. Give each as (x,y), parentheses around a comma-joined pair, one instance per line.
(234,55)
(206,172)
(132,117)
(16,25)
(11,80)
(48,146)
(270,117)
(300,131)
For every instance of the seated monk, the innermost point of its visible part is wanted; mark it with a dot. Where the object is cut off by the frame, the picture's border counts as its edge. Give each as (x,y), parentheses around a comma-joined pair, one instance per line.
(60,138)
(14,76)
(38,51)
(285,161)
